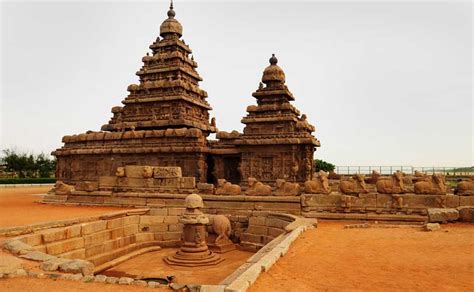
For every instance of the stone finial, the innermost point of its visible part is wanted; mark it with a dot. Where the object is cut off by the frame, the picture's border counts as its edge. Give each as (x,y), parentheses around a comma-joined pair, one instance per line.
(273,60)
(171,13)
(194,201)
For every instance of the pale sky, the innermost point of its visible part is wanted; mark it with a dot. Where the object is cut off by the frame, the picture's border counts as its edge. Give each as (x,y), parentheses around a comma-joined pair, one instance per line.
(384,83)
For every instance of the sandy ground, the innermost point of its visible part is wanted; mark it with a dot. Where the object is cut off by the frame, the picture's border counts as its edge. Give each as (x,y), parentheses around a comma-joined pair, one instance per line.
(152,265)
(18,206)
(331,258)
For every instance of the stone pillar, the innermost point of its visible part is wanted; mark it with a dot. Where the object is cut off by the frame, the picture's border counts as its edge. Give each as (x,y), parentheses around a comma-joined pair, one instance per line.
(194,251)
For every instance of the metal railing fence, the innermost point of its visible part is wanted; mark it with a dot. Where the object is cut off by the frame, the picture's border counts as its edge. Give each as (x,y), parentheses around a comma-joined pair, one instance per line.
(451,171)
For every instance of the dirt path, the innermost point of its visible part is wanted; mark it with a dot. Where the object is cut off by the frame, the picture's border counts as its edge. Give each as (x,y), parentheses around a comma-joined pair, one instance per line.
(18,206)
(331,258)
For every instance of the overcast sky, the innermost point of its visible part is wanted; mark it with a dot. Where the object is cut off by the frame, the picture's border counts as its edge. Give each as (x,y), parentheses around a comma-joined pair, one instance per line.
(384,83)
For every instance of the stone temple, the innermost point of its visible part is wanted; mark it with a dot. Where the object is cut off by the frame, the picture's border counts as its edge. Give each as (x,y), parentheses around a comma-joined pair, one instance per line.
(165,122)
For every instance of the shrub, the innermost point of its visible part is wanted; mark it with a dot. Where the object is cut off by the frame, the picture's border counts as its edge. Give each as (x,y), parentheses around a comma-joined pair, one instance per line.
(323,165)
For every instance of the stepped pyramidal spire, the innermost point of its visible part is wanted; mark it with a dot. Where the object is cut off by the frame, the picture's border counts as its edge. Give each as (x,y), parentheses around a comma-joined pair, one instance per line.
(168,94)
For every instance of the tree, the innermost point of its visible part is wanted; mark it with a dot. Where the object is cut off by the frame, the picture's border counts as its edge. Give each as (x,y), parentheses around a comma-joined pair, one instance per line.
(28,165)
(323,165)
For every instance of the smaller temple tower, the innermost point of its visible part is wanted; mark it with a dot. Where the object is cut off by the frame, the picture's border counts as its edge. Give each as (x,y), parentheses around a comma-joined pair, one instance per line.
(277,142)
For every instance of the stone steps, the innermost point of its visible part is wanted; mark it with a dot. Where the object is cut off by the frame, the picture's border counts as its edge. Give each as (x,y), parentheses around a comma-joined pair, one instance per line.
(105,257)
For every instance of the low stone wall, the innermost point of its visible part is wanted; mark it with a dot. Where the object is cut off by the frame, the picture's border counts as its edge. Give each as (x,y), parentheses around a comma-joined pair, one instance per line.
(264,228)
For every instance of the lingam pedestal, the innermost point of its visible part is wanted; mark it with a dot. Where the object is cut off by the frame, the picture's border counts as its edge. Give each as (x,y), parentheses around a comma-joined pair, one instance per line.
(194,251)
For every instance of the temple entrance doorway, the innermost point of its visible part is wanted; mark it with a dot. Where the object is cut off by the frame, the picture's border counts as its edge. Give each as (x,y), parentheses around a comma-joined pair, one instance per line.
(231,169)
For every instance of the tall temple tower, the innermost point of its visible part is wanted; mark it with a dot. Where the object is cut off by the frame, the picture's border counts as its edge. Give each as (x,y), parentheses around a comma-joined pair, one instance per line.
(164,120)
(277,142)
(168,95)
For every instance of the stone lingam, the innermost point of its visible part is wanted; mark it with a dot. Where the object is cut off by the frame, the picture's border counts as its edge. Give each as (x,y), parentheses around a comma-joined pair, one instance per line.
(194,251)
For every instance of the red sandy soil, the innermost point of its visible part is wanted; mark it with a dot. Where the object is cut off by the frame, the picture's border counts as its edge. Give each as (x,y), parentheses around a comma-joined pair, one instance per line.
(18,206)
(331,258)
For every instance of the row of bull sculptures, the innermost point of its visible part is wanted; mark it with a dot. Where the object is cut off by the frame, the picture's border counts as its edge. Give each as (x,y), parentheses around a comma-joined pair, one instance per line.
(395,184)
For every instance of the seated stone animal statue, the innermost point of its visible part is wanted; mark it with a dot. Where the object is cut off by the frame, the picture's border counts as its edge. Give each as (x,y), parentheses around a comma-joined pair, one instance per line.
(465,187)
(391,185)
(257,188)
(284,188)
(354,185)
(318,185)
(60,188)
(226,188)
(435,186)
(120,172)
(373,177)
(221,227)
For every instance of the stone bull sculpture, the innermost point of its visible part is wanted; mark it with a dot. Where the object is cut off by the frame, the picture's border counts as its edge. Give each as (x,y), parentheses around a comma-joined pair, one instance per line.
(226,188)
(257,188)
(221,227)
(465,187)
(354,185)
(434,186)
(284,188)
(318,185)
(391,185)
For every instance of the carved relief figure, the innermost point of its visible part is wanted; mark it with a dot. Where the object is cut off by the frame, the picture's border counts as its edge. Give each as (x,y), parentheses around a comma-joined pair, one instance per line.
(318,185)
(391,185)
(284,188)
(147,172)
(353,185)
(435,186)
(120,172)
(257,188)
(226,188)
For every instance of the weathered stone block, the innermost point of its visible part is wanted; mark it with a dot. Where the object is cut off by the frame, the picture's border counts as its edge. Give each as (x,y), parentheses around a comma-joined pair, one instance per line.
(119,222)
(172,236)
(141,237)
(315,200)
(466,200)
(466,214)
(87,186)
(134,171)
(431,227)
(384,201)
(33,239)
(158,211)
(130,229)
(205,188)
(275,222)
(75,254)
(92,227)
(257,220)
(260,230)
(150,220)
(442,215)
(175,227)
(187,182)
(248,237)
(176,211)
(171,219)
(56,248)
(274,232)
(107,181)
(58,234)
(96,238)
(153,228)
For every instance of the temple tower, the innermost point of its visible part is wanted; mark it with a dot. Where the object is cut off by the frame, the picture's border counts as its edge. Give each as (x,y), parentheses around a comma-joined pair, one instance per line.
(277,141)
(164,120)
(168,95)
